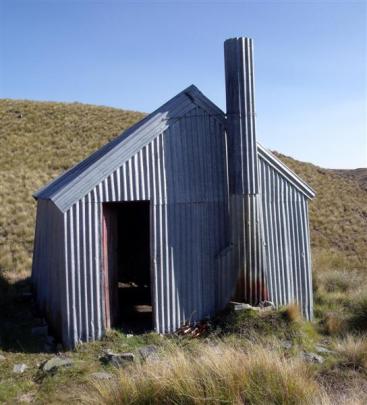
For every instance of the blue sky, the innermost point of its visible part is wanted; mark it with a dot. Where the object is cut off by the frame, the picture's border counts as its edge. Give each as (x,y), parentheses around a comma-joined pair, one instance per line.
(310,61)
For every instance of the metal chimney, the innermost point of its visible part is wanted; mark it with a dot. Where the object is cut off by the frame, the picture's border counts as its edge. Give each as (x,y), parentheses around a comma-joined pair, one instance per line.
(245,203)
(239,70)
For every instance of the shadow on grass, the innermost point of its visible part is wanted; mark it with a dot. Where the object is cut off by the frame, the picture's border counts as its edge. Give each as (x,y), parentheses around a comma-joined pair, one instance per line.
(18,316)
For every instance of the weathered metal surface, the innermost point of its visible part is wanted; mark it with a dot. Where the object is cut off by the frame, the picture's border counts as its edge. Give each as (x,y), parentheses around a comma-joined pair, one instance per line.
(214,232)
(189,227)
(79,180)
(247,226)
(286,238)
(240,101)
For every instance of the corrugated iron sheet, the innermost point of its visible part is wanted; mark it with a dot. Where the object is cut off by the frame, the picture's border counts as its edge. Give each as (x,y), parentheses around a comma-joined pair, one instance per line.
(240,99)
(189,227)
(76,182)
(286,238)
(203,237)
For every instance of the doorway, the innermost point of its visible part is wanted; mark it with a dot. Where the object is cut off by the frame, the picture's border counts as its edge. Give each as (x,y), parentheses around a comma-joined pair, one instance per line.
(126,258)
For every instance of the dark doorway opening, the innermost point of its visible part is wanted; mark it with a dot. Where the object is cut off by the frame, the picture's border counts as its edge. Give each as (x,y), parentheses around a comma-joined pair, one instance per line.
(126,252)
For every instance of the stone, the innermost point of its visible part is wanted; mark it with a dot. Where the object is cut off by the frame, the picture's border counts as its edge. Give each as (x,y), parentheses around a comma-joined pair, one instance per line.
(240,306)
(56,362)
(148,352)
(117,359)
(19,368)
(26,398)
(322,349)
(267,304)
(286,344)
(312,357)
(101,375)
(2,358)
(129,335)
(40,330)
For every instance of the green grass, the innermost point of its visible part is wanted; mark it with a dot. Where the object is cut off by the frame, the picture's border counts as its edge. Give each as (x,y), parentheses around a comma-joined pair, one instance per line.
(38,141)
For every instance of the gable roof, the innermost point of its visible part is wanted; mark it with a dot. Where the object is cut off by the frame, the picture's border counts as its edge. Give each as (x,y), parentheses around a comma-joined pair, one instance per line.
(73,184)
(285,171)
(76,182)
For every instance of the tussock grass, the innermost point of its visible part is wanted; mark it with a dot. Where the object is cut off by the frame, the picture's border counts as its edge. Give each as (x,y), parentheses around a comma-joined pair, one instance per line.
(358,319)
(352,352)
(213,374)
(292,313)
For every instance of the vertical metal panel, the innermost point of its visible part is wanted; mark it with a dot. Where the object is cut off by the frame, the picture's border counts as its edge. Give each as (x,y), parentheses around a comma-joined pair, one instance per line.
(243,172)
(48,262)
(286,236)
(241,116)
(183,173)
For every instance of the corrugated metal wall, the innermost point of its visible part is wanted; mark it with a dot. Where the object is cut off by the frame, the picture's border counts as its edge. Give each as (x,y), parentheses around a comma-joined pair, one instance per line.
(287,240)
(189,228)
(48,267)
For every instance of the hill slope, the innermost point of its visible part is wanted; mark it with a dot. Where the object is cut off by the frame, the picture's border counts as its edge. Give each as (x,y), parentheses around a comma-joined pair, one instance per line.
(39,140)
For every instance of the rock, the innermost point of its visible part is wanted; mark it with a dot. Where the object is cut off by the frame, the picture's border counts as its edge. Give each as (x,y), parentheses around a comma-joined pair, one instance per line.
(322,349)
(101,375)
(19,368)
(240,306)
(267,304)
(312,357)
(40,330)
(148,352)
(117,359)
(2,358)
(27,398)
(129,335)
(55,363)
(286,344)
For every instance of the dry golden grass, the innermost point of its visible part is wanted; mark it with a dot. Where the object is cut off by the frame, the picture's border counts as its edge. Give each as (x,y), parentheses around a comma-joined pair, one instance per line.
(38,141)
(292,312)
(352,352)
(338,214)
(213,374)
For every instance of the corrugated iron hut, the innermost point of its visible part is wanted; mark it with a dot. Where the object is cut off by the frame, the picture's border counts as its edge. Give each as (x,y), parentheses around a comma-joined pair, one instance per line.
(172,219)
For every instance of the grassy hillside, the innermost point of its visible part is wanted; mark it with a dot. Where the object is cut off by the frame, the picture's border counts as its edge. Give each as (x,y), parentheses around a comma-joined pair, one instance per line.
(39,140)
(338,214)
(241,353)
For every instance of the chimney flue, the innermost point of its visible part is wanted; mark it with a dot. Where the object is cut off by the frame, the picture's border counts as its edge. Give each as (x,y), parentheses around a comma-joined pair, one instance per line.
(239,71)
